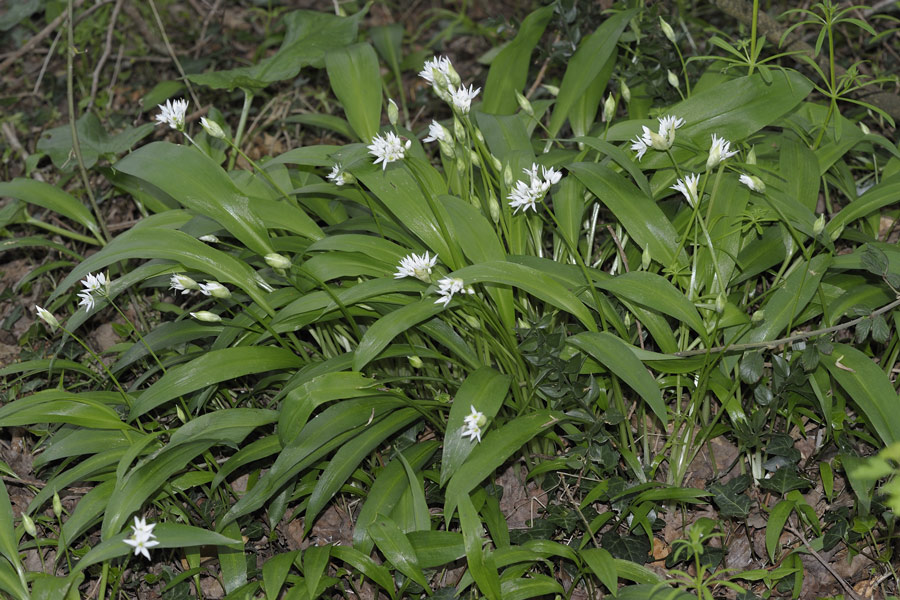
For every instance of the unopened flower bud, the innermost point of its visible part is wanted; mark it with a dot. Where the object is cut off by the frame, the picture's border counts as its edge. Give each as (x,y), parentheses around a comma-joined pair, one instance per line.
(459,130)
(751,156)
(758,317)
(524,104)
(215,289)
(212,128)
(447,149)
(453,75)
(180,414)
(667,30)
(209,239)
(57,505)
(473,156)
(47,317)
(415,362)
(754,183)
(609,108)
(206,316)
(277,261)
(479,136)
(473,321)
(493,207)
(460,167)
(495,162)
(720,303)
(673,80)
(626,92)
(865,129)
(819,225)
(508,176)
(393,112)
(645,258)
(28,524)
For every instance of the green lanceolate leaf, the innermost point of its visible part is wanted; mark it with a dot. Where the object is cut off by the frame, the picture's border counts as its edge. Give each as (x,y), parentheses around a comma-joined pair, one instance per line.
(485,390)
(602,564)
(50,197)
(59,406)
(497,446)
(356,81)
(868,387)
(385,329)
(397,550)
(509,69)
(210,368)
(9,545)
(642,218)
(480,566)
(584,66)
(153,242)
(198,183)
(616,356)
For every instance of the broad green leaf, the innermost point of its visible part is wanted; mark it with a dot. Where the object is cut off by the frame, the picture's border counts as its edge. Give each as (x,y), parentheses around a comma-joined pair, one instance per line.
(657,293)
(651,588)
(225,426)
(778,516)
(616,356)
(309,35)
(50,587)
(602,564)
(365,565)
(169,535)
(626,569)
(60,406)
(147,243)
(386,491)
(50,197)
(198,183)
(348,457)
(385,329)
(642,218)
(437,547)
(356,81)
(509,69)
(799,162)
(497,446)
(163,337)
(882,194)
(397,550)
(77,442)
(275,571)
(529,280)
(301,401)
(585,65)
(93,139)
(485,390)
(868,387)
(530,587)
(211,368)
(87,513)
(480,566)
(9,545)
(98,463)
(232,560)
(414,513)
(11,583)
(256,450)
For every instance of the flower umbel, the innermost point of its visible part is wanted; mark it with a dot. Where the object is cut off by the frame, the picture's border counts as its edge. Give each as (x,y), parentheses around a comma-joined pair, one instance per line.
(754,183)
(718,152)
(448,286)
(474,422)
(661,140)
(413,265)
(461,98)
(437,71)
(688,187)
(388,149)
(92,283)
(527,195)
(142,538)
(338,176)
(182,283)
(173,113)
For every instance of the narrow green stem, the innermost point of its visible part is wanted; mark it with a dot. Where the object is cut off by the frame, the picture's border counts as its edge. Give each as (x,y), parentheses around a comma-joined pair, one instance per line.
(242,123)
(753,25)
(29,220)
(101,363)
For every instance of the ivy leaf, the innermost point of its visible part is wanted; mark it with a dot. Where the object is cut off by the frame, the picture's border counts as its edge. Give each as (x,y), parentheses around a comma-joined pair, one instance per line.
(635,548)
(751,367)
(730,499)
(835,534)
(781,444)
(784,480)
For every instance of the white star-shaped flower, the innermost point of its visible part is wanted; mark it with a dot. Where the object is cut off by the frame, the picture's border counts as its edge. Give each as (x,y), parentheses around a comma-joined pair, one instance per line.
(338,176)
(172,113)
(142,538)
(437,133)
(754,183)
(388,149)
(474,421)
(436,69)
(661,140)
(688,187)
(92,283)
(416,266)
(448,286)
(461,98)
(182,283)
(718,151)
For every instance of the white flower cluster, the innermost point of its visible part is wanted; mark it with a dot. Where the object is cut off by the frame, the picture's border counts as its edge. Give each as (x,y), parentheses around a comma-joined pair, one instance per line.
(173,113)
(527,195)
(474,422)
(445,81)
(184,284)
(142,538)
(661,140)
(92,284)
(688,187)
(388,149)
(718,151)
(413,265)
(448,286)
(340,177)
